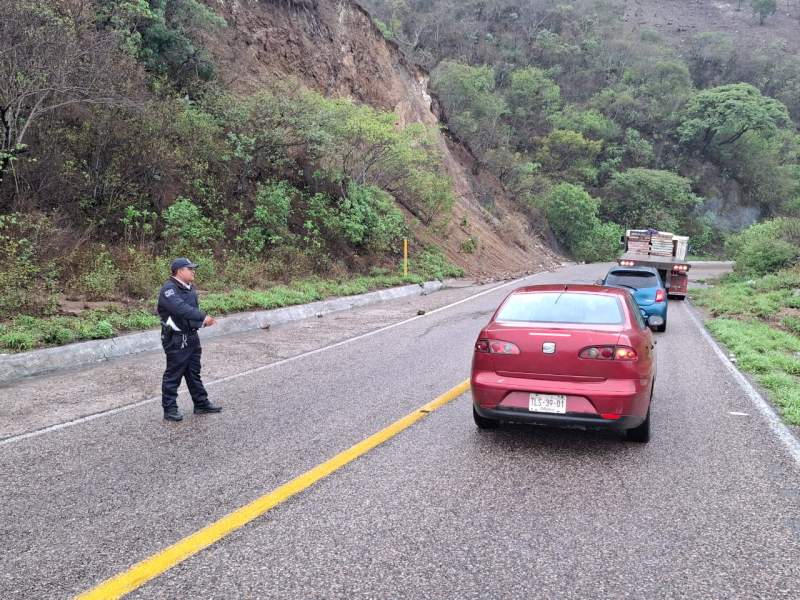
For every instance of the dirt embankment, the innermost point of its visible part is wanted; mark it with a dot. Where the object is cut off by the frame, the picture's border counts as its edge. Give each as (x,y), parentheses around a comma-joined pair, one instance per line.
(332,46)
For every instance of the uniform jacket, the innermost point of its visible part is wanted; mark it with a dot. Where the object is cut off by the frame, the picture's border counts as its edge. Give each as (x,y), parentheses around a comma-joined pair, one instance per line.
(181,304)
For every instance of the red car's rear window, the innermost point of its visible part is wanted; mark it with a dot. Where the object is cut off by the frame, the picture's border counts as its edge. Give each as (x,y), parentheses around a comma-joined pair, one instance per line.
(562,307)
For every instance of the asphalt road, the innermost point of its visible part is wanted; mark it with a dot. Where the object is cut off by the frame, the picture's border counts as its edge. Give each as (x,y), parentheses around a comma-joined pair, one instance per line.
(709,509)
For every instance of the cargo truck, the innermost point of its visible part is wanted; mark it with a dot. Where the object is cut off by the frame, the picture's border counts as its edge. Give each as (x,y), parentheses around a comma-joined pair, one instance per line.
(664,251)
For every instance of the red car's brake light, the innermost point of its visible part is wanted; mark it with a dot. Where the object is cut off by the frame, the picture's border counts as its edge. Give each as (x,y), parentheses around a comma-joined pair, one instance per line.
(660,295)
(496,347)
(612,416)
(609,353)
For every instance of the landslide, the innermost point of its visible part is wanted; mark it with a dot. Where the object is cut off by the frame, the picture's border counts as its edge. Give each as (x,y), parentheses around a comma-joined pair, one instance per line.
(333,47)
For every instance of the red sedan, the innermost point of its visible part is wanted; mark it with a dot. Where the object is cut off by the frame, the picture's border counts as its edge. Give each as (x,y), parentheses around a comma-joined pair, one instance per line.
(566,355)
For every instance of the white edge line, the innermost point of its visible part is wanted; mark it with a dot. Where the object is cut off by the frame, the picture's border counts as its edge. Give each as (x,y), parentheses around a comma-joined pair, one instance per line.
(765,408)
(39,432)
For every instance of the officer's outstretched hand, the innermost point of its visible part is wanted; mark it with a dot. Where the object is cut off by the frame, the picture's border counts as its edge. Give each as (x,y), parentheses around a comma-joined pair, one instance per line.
(209,321)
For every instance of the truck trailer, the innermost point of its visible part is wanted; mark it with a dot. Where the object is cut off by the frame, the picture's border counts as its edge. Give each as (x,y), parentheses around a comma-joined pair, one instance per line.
(664,251)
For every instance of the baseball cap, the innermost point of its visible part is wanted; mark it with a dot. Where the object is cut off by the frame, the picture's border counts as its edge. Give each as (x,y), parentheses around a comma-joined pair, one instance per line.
(180,263)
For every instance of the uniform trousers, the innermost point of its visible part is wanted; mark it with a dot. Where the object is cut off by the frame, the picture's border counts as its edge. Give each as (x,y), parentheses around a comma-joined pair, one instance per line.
(183,362)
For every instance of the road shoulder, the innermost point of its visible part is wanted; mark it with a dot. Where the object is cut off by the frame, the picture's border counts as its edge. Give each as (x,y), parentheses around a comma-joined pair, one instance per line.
(45,401)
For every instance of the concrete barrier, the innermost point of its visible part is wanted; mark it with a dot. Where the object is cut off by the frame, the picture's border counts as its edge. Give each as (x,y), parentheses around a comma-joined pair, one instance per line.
(37,362)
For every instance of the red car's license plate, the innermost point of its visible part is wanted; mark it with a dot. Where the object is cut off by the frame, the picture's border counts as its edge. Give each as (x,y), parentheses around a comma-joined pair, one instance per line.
(545,403)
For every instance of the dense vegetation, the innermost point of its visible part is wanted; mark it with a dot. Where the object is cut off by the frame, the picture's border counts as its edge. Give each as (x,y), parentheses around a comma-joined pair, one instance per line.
(547,94)
(120,149)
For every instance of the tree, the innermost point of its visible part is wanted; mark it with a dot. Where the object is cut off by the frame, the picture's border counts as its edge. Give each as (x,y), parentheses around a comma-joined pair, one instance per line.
(661,88)
(162,34)
(764,9)
(722,115)
(50,59)
(532,96)
(474,111)
(643,198)
(569,154)
(572,215)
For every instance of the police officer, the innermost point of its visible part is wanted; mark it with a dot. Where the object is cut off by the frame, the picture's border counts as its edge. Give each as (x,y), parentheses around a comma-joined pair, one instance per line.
(181,317)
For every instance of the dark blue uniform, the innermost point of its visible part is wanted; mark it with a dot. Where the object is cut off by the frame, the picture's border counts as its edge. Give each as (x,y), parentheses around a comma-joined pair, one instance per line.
(181,317)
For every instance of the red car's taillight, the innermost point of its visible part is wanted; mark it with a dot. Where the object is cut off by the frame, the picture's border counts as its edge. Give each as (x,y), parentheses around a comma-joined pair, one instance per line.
(609,353)
(660,295)
(496,347)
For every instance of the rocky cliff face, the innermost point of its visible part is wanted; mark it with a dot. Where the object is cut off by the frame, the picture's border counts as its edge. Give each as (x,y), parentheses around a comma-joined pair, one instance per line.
(333,47)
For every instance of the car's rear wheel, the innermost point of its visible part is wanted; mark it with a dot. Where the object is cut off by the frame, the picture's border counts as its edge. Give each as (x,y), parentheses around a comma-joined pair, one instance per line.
(483,422)
(641,433)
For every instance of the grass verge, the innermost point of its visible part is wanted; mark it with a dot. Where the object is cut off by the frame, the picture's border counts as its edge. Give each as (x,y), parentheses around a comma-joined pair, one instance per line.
(758,320)
(27,332)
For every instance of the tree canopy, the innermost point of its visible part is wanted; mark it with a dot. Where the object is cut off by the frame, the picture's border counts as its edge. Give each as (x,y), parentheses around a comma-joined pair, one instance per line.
(722,115)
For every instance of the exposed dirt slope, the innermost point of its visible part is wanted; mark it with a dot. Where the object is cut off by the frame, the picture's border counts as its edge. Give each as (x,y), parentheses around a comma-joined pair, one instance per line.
(680,20)
(332,46)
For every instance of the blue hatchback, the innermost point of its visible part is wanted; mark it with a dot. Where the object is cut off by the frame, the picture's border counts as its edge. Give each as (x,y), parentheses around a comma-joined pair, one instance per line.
(645,285)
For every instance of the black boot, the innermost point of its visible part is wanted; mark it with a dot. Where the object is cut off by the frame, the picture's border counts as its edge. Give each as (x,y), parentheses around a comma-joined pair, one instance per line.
(173,414)
(207,407)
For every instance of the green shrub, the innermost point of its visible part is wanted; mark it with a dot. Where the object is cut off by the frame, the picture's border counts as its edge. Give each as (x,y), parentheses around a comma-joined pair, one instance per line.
(57,335)
(765,255)
(434,198)
(765,247)
(469,245)
(385,30)
(431,263)
(187,231)
(601,244)
(368,217)
(17,340)
(141,274)
(101,280)
(27,278)
(590,123)
(101,330)
(273,204)
(650,35)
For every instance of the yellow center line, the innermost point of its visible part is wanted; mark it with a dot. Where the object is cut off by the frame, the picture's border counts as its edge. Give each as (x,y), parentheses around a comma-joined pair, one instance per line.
(152,567)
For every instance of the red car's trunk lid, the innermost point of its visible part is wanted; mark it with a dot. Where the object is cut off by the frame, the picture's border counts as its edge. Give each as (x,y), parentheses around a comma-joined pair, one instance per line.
(548,352)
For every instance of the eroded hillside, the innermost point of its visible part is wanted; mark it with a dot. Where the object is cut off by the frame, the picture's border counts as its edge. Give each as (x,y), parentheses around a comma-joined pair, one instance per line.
(333,47)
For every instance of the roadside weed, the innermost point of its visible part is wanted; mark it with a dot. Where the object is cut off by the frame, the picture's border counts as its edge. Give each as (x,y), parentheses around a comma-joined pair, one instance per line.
(758,320)
(27,332)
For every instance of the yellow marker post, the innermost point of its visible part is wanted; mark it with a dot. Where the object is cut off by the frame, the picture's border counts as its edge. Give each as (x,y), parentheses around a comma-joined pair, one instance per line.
(405,257)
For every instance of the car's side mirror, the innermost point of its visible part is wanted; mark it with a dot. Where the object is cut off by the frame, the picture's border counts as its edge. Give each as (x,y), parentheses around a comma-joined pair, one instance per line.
(655,322)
